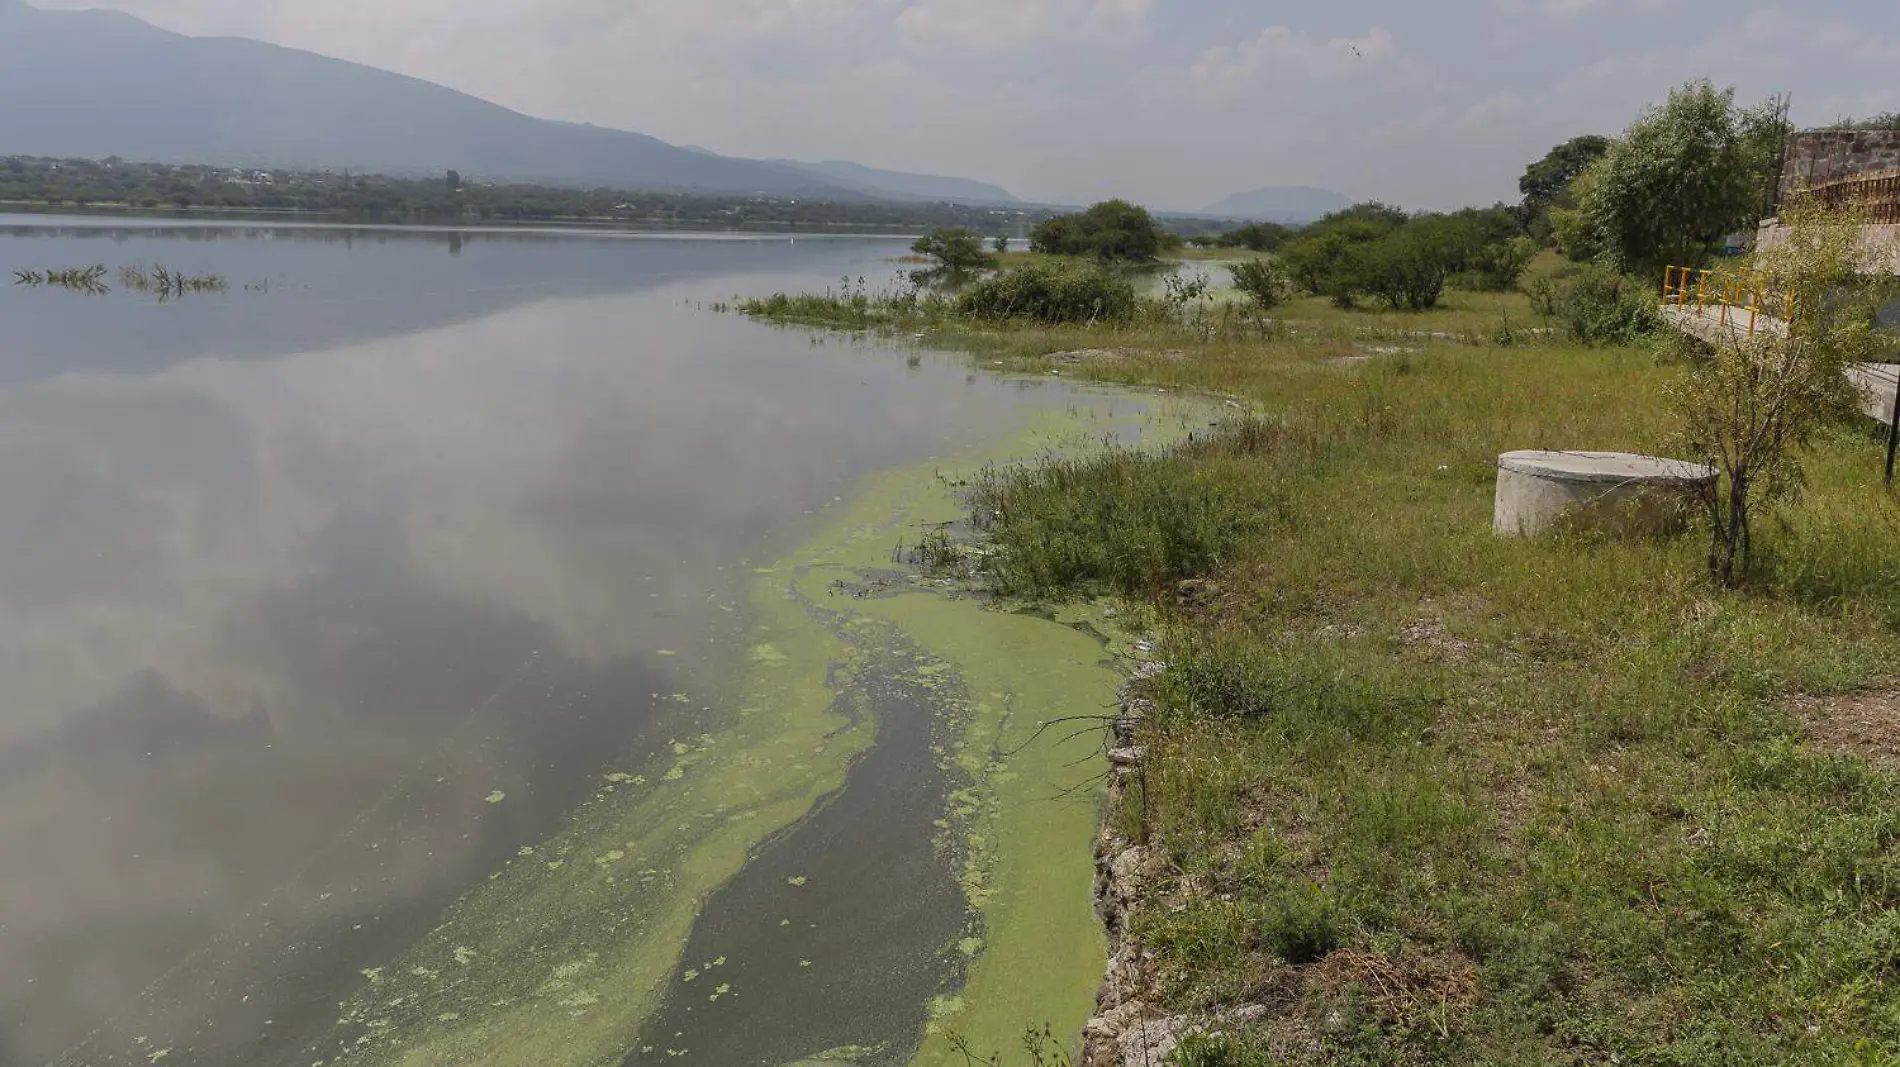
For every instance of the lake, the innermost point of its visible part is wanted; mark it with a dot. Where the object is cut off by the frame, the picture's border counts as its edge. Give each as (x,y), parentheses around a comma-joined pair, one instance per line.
(474,647)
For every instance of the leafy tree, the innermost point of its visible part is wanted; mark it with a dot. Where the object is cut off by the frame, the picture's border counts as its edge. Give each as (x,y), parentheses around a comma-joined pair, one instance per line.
(1545,181)
(954,248)
(1111,230)
(1408,267)
(1256,236)
(1681,178)
(1002,243)
(1326,258)
(1263,280)
(454,180)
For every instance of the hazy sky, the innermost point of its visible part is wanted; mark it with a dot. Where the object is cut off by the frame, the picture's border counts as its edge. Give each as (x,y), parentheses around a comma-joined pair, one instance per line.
(1428,103)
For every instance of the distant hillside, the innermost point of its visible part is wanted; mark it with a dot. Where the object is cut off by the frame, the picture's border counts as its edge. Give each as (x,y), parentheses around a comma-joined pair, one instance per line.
(99,83)
(1280,203)
(898,185)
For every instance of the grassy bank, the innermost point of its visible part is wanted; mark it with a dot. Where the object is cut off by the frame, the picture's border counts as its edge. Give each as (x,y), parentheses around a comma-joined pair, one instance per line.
(1432,796)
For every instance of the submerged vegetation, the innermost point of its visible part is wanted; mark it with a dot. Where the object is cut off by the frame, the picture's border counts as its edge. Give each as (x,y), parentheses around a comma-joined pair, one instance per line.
(168,283)
(79,279)
(160,280)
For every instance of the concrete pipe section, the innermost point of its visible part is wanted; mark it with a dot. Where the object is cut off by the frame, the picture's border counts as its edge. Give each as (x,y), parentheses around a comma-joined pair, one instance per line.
(1613,490)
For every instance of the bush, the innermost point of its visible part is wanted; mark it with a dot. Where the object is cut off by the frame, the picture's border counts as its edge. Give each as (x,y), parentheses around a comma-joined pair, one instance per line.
(1263,280)
(1597,305)
(1127,521)
(1325,259)
(1408,269)
(954,248)
(1111,230)
(1501,266)
(1217,1050)
(1256,236)
(1050,294)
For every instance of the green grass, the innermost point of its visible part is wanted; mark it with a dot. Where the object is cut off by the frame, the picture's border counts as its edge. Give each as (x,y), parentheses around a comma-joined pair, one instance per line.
(1437,797)
(1567,818)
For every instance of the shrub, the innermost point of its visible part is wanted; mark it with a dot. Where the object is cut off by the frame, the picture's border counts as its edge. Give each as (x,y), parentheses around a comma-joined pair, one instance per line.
(1324,260)
(1596,305)
(1111,230)
(1500,266)
(1263,280)
(1754,403)
(1050,294)
(1127,521)
(954,248)
(1257,236)
(1217,1050)
(1407,269)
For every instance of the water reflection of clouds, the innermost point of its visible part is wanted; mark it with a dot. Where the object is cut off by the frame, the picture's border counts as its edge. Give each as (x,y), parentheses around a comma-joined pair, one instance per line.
(242,597)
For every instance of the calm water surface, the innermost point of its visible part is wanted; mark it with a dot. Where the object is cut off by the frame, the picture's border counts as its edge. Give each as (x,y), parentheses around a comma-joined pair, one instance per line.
(321,597)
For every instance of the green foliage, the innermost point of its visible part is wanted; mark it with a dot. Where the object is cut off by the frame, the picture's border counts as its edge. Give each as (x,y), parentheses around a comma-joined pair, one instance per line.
(1597,305)
(1001,244)
(1256,236)
(1545,181)
(1326,258)
(114,184)
(1407,269)
(1217,1050)
(1050,294)
(1572,228)
(1113,230)
(1264,281)
(1750,405)
(1681,178)
(954,248)
(1126,521)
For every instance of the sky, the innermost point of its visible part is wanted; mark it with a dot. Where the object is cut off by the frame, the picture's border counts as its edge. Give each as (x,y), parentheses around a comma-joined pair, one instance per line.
(1424,103)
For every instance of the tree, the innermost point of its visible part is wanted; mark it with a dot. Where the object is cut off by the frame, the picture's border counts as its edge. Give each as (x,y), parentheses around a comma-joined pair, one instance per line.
(1263,280)
(1750,404)
(1111,230)
(1001,244)
(1545,181)
(1326,258)
(1256,236)
(454,180)
(954,248)
(1408,267)
(1681,178)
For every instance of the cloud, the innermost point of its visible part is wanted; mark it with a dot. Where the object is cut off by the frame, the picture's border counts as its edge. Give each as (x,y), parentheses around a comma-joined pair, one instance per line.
(1070,99)
(1283,50)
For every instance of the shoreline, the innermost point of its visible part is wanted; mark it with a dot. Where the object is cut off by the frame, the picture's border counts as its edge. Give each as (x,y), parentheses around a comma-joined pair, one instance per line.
(566,954)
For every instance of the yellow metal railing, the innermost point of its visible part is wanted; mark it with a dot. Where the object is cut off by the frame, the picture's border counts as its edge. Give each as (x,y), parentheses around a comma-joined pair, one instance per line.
(1728,295)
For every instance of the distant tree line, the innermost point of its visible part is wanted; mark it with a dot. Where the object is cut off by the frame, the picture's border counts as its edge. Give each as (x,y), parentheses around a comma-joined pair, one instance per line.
(157,188)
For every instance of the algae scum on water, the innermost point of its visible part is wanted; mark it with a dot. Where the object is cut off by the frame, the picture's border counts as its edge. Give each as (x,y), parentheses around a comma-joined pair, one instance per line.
(880,850)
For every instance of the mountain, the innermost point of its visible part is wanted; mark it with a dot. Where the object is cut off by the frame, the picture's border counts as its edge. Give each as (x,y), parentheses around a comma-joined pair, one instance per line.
(897,185)
(1280,203)
(100,83)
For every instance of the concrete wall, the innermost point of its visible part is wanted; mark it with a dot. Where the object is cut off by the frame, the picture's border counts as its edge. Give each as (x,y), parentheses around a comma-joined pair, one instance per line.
(1816,156)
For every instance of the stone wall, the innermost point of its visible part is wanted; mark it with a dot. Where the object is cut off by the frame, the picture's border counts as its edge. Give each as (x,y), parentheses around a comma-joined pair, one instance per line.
(1816,156)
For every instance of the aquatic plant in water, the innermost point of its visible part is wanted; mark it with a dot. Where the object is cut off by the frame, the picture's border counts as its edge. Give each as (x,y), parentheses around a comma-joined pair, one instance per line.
(79,279)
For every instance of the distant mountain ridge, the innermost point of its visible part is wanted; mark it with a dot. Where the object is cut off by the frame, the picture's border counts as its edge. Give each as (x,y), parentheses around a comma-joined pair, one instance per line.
(1280,203)
(901,185)
(91,84)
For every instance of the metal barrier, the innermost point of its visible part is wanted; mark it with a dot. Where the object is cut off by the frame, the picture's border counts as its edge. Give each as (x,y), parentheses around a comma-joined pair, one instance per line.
(1732,294)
